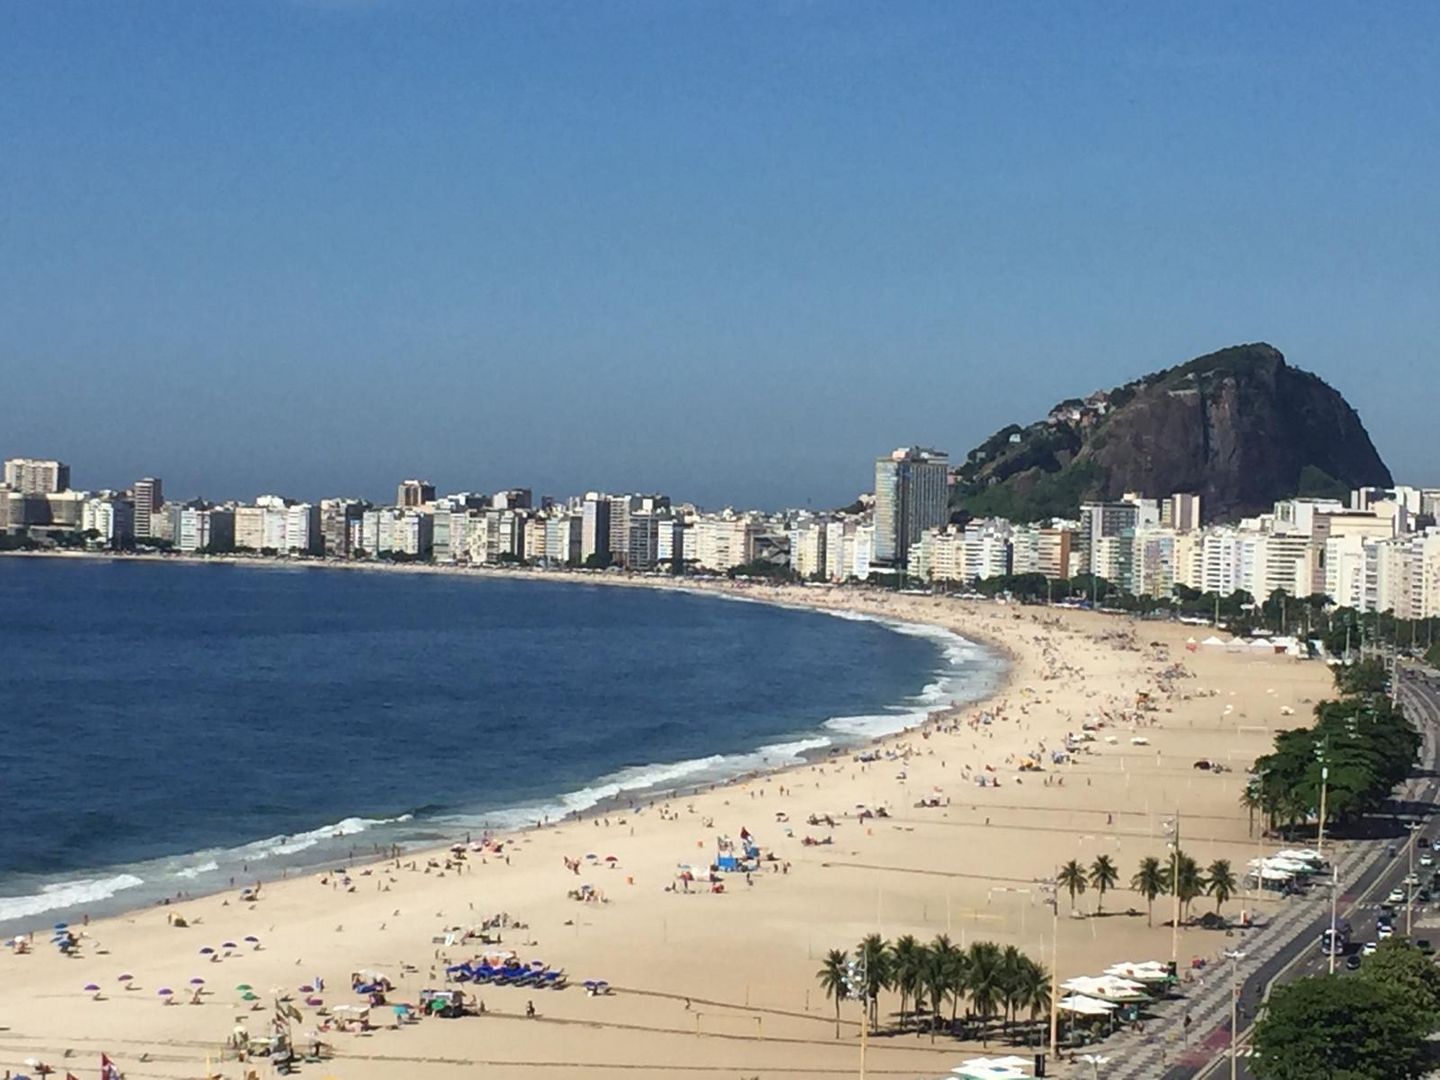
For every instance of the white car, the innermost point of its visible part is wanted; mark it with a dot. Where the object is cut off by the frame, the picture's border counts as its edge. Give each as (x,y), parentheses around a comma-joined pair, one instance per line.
(1384,930)
(1397,896)
(1426,859)
(1368,948)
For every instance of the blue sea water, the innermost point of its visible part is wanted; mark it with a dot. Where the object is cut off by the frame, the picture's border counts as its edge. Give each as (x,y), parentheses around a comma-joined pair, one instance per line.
(171,726)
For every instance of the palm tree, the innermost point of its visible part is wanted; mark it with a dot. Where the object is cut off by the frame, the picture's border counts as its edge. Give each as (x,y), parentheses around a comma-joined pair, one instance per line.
(905,969)
(940,977)
(875,953)
(1103,876)
(1010,961)
(983,982)
(1252,799)
(1149,882)
(1220,882)
(1189,883)
(1033,994)
(832,980)
(1072,879)
(954,966)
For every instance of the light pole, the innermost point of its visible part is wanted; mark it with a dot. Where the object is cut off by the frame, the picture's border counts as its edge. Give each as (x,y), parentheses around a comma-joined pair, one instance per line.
(857,984)
(1050,890)
(1413,826)
(1095,1061)
(1173,828)
(1334,906)
(1323,753)
(1235,958)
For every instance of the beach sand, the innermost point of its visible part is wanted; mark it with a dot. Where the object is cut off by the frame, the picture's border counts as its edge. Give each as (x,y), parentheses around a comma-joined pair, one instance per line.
(724,984)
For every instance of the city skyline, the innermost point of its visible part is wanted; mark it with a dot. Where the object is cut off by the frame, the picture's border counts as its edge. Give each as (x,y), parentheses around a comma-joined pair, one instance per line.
(679,244)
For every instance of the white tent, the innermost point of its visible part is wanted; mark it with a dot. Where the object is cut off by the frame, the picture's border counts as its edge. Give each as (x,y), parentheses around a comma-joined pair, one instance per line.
(1086,1006)
(1212,640)
(1145,971)
(1106,988)
(999,1068)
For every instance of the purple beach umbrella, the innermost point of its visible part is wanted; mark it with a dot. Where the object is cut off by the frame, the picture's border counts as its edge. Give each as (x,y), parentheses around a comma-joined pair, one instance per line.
(229,945)
(252,939)
(197,981)
(206,951)
(124,978)
(165,991)
(92,988)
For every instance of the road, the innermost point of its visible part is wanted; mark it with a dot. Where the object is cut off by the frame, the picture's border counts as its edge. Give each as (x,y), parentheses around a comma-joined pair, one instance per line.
(1289,947)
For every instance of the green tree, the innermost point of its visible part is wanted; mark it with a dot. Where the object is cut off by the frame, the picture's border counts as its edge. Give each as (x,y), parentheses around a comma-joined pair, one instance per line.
(1402,966)
(1189,881)
(984,983)
(1149,882)
(1033,992)
(952,965)
(1072,880)
(876,954)
(1342,1029)
(832,980)
(1103,876)
(1220,882)
(907,962)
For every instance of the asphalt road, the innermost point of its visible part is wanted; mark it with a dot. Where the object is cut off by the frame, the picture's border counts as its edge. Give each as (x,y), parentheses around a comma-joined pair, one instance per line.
(1419,693)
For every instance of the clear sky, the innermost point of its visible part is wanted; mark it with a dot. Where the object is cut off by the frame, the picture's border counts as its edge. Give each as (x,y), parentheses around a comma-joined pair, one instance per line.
(731,250)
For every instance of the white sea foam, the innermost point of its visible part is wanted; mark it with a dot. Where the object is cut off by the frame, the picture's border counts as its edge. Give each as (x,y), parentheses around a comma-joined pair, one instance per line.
(289,845)
(198,869)
(64,894)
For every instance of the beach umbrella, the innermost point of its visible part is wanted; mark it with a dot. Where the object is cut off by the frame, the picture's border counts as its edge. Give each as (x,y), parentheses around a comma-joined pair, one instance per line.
(197,981)
(165,991)
(314,1002)
(91,988)
(206,951)
(252,939)
(229,945)
(62,926)
(243,987)
(611,858)
(124,978)
(307,989)
(250,995)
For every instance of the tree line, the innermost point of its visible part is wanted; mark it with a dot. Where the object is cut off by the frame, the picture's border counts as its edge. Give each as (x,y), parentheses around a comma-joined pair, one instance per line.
(987,981)
(1359,748)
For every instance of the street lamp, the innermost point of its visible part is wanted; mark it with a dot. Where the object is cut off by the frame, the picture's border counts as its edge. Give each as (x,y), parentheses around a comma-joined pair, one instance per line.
(857,985)
(1172,830)
(1050,891)
(1235,957)
(1095,1061)
(1414,827)
(1322,755)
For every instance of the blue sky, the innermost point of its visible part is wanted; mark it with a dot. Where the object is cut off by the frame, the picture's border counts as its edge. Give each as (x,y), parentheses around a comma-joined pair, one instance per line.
(728,250)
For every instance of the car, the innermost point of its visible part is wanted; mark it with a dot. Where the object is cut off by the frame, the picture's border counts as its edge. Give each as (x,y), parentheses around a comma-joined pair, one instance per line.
(1427,859)
(1397,896)
(1352,962)
(1368,949)
(1384,931)
(1422,842)
(1412,879)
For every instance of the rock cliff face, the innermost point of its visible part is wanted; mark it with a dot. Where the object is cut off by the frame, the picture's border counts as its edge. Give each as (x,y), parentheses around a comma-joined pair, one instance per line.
(1240,427)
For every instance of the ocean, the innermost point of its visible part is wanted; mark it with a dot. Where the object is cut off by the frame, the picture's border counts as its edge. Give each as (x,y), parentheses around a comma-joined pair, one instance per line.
(170,726)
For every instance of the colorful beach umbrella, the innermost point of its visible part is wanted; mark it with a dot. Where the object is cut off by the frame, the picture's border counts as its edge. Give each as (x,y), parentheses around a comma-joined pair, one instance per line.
(243,987)
(206,951)
(92,988)
(165,991)
(197,981)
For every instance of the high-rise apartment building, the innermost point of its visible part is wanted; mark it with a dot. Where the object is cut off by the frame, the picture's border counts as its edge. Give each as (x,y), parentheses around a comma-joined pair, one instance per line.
(36,476)
(148,499)
(912,494)
(595,527)
(338,520)
(413,493)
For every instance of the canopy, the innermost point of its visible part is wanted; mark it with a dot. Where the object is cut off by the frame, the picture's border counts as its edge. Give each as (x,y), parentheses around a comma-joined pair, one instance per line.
(1106,988)
(1086,1006)
(1143,971)
(999,1068)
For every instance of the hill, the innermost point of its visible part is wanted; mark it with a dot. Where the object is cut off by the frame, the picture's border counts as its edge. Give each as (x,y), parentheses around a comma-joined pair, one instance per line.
(1240,427)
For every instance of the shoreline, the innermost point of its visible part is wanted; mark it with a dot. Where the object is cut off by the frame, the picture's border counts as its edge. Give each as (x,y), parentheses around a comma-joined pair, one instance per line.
(997,682)
(723,981)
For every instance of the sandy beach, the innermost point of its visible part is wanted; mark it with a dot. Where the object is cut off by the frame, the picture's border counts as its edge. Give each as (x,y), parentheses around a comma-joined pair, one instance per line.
(723,984)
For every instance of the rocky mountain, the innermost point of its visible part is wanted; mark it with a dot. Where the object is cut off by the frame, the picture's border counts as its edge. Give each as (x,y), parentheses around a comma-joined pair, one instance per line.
(1240,427)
